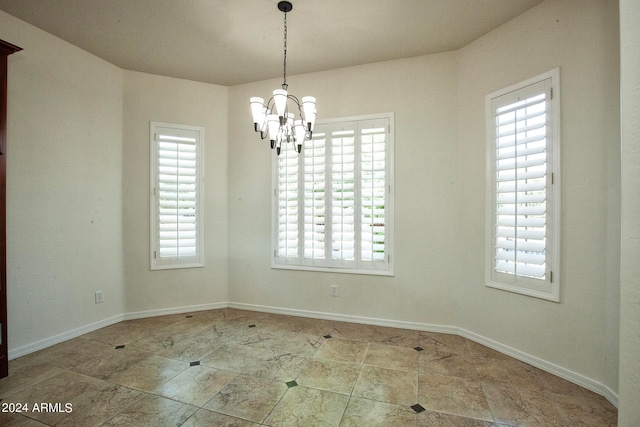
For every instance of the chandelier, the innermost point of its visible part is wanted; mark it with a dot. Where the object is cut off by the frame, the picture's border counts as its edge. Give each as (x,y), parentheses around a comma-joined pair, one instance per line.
(281,125)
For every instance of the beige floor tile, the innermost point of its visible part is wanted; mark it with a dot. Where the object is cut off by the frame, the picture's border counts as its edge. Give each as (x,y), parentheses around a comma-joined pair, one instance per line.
(343,350)
(106,363)
(395,336)
(330,375)
(45,355)
(370,413)
(442,345)
(205,418)
(387,385)
(352,331)
(13,419)
(232,357)
(303,407)
(308,326)
(301,344)
(219,334)
(186,347)
(24,377)
(453,396)
(392,357)
(196,385)
(58,390)
(453,365)
(234,315)
(261,362)
(254,335)
(238,331)
(157,322)
(191,324)
(148,373)
(278,367)
(117,334)
(173,345)
(439,419)
(156,340)
(248,398)
(558,385)
(584,411)
(153,411)
(523,406)
(76,352)
(28,360)
(479,350)
(97,404)
(510,372)
(268,323)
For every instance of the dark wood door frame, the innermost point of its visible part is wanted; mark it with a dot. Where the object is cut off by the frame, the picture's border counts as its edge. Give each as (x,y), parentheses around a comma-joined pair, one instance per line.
(6,49)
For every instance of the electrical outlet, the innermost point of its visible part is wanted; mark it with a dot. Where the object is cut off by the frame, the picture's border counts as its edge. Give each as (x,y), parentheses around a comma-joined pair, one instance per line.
(334,290)
(99,297)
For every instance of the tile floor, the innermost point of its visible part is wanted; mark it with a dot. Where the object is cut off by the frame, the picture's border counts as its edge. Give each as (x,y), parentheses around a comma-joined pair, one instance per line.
(239,368)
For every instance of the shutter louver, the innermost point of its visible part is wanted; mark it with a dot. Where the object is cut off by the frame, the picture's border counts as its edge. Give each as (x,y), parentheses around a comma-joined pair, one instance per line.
(520,185)
(176,194)
(343,194)
(288,192)
(373,193)
(315,195)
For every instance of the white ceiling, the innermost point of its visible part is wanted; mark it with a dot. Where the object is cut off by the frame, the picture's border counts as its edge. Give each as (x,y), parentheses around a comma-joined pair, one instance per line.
(230,42)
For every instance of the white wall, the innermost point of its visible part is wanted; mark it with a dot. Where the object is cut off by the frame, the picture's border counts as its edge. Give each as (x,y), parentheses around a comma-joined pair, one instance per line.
(420,91)
(64,187)
(629,414)
(580,333)
(161,99)
(439,105)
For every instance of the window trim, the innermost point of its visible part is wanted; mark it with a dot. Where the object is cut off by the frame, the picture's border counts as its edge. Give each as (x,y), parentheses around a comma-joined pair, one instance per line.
(549,288)
(294,264)
(198,260)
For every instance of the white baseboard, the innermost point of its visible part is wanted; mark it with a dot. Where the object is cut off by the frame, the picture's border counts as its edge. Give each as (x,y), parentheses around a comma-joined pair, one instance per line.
(564,373)
(347,318)
(552,368)
(559,371)
(48,342)
(56,339)
(174,310)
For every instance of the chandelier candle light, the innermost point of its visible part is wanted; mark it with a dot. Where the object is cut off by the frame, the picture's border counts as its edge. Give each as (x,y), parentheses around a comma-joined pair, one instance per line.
(282,125)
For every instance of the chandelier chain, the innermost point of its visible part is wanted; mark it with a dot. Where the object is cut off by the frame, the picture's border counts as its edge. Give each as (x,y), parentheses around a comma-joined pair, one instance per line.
(284,82)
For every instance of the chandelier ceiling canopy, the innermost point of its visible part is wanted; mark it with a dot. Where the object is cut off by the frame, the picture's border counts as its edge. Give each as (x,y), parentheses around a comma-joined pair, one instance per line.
(275,119)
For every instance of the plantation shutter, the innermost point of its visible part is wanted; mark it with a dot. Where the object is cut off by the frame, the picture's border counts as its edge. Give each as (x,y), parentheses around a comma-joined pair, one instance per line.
(521,181)
(332,199)
(176,195)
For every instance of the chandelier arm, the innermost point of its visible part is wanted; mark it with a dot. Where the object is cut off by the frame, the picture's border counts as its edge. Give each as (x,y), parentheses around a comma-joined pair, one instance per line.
(297,101)
(294,98)
(269,106)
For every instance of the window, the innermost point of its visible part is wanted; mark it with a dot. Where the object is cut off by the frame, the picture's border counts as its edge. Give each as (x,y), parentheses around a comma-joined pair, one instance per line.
(176,201)
(333,203)
(523,190)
